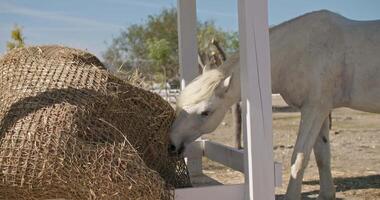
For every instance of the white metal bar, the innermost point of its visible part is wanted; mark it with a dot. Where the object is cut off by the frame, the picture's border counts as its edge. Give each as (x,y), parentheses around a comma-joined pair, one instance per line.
(188,58)
(222,192)
(228,156)
(234,158)
(195,148)
(194,154)
(277,174)
(256,98)
(187,40)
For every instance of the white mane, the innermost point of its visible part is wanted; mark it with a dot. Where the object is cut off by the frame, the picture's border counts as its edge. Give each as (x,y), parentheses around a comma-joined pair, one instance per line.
(200,88)
(204,85)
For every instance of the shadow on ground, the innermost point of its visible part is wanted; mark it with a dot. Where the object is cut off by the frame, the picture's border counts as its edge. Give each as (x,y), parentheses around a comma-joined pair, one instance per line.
(284,109)
(342,184)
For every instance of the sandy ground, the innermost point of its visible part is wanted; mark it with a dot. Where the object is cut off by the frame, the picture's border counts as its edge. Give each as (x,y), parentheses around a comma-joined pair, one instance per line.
(355,143)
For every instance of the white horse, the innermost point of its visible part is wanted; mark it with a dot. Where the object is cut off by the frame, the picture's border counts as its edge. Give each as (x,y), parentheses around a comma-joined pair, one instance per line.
(319,61)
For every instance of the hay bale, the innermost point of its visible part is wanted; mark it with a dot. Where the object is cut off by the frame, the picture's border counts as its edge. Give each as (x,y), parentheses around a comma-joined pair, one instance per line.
(69,129)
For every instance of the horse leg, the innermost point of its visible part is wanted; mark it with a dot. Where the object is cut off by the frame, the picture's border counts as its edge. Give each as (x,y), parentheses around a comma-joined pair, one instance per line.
(312,118)
(236,116)
(322,157)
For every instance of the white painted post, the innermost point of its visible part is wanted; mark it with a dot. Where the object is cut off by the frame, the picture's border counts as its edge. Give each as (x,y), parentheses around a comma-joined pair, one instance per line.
(256,97)
(188,61)
(187,40)
(220,192)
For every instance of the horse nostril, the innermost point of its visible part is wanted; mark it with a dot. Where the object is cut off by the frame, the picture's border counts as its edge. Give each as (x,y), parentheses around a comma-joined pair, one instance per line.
(172,148)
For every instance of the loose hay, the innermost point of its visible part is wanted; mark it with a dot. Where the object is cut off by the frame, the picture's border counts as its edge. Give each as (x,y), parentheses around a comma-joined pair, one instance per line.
(71,130)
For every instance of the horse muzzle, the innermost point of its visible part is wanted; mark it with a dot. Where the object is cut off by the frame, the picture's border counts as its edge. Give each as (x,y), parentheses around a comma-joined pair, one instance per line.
(176,150)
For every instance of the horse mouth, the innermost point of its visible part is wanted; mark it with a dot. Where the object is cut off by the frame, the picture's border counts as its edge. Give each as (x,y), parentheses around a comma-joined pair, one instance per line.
(181,150)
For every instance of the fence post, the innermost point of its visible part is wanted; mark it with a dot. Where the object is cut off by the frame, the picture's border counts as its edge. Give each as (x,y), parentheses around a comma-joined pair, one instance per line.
(257,99)
(188,60)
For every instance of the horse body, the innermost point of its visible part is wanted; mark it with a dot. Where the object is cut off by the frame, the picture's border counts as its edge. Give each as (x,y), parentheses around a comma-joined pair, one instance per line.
(364,62)
(319,61)
(324,57)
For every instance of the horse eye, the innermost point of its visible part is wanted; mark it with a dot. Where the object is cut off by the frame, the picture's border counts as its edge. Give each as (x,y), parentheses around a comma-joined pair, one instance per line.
(205,113)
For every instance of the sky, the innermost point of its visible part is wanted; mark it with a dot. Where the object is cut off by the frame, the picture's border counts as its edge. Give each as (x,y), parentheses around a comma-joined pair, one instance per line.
(91,24)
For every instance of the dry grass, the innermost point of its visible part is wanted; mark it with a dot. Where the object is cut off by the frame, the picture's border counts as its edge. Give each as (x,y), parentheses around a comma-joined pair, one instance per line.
(69,129)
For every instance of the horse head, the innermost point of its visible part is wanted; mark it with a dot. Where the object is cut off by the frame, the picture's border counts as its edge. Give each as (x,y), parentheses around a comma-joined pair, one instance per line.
(202,104)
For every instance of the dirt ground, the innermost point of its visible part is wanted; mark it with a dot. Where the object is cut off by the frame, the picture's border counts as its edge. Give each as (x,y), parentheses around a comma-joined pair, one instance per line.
(355,145)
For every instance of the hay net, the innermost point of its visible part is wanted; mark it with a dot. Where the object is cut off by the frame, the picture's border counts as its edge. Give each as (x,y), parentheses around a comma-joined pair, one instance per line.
(69,129)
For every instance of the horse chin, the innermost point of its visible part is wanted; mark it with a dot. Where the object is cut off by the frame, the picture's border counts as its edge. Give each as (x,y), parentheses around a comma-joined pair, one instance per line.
(181,150)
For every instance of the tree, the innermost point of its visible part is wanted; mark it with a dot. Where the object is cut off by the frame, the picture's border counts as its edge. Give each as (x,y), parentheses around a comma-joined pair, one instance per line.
(232,42)
(131,48)
(159,52)
(152,47)
(17,39)
(207,31)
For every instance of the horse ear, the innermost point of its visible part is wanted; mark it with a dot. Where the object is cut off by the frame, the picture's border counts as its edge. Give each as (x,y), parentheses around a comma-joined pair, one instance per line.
(223,86)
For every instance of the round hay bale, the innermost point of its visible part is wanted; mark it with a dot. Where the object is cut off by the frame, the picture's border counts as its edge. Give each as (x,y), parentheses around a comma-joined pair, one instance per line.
(69,129)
